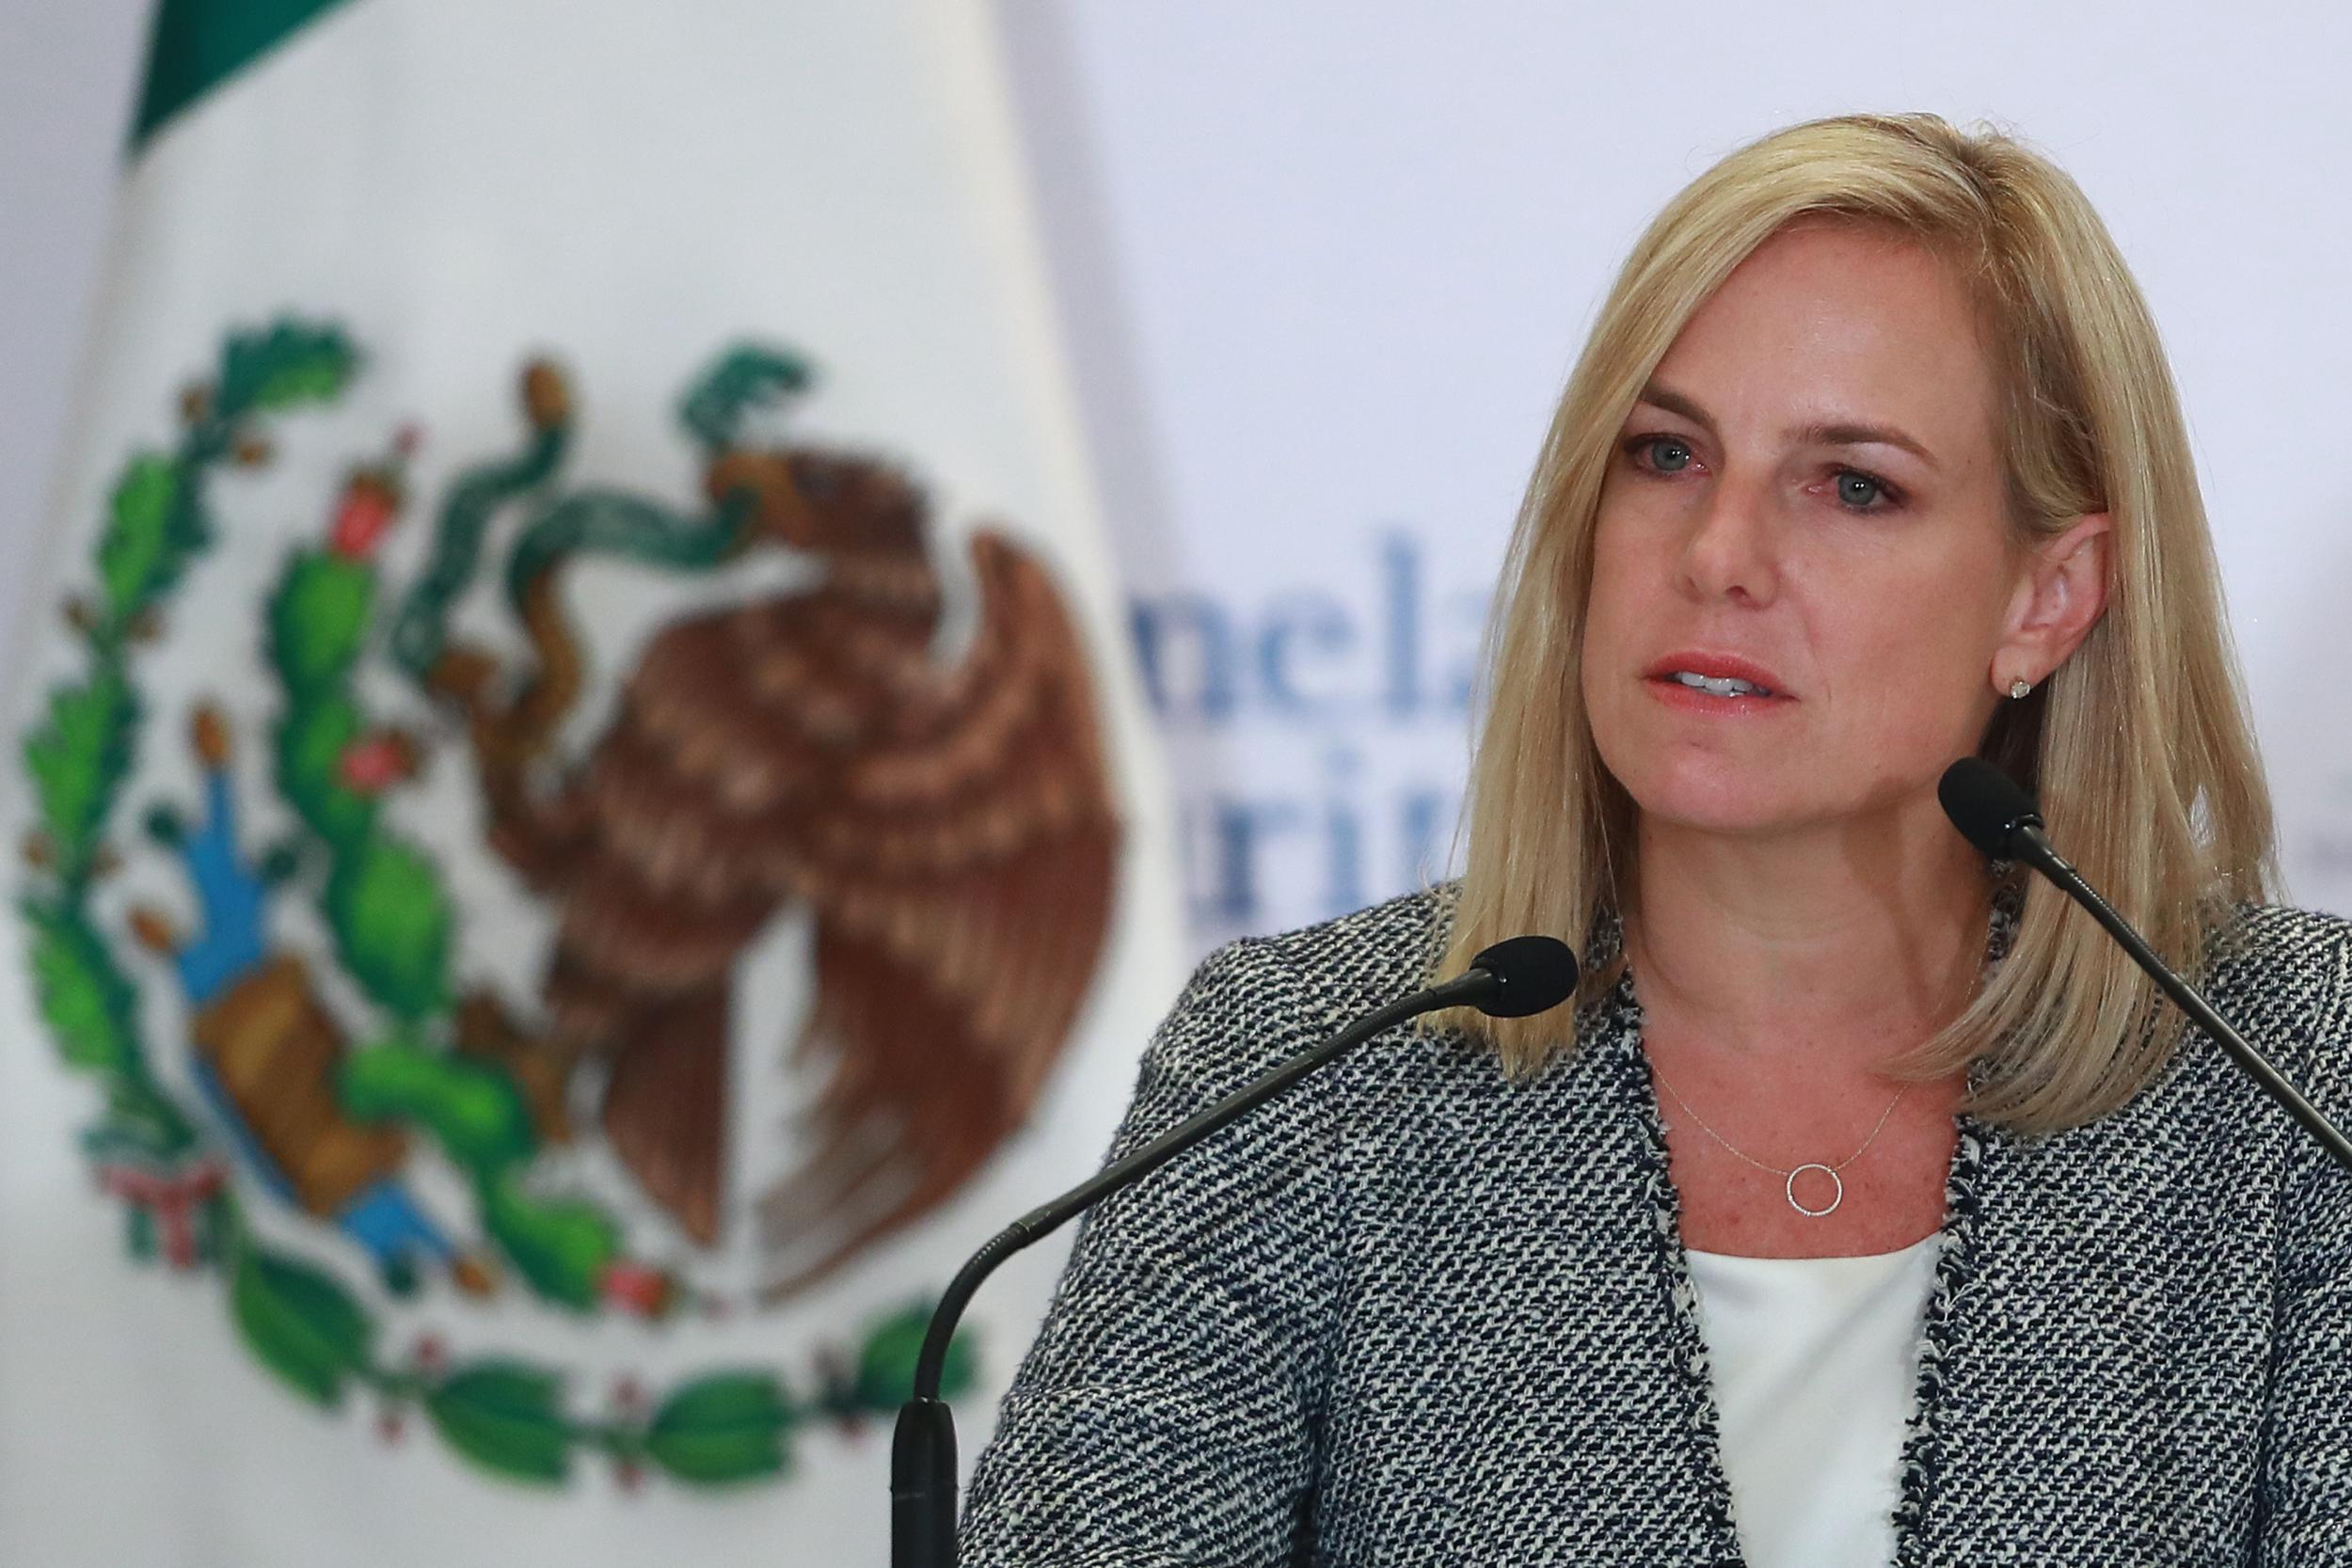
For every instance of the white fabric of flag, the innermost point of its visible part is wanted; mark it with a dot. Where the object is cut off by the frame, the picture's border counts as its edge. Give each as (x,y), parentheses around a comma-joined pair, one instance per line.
(583,831)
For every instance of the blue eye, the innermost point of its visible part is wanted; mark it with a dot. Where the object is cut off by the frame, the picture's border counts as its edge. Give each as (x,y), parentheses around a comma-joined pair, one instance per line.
(1859,492)
(1668,454)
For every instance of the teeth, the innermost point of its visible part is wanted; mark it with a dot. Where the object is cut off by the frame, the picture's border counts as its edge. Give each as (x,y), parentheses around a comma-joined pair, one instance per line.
(1724,686)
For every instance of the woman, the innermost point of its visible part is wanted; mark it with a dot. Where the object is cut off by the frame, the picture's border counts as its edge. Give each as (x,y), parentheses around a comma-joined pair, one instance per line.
(1871,1211)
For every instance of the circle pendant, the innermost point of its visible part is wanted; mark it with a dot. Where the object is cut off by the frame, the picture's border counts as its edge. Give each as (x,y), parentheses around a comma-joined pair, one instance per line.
(1837,1199)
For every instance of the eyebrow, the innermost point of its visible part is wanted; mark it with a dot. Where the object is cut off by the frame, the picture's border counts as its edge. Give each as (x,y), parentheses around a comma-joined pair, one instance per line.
(1830,435)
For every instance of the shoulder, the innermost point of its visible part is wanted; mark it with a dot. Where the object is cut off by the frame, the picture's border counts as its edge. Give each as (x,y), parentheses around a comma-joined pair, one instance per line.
(2282,977)
(1371,956)
(1254,1001)
(2280,947)
(1345,965)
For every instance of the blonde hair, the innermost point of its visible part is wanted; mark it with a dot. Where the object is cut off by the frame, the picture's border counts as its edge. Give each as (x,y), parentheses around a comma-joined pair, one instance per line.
(2139,745)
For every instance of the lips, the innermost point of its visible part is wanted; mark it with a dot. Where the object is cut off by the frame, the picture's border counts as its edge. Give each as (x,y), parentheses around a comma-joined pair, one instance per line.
(1716,666)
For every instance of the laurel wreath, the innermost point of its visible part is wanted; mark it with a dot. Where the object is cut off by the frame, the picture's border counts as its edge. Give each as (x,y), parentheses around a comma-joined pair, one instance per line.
(392,925)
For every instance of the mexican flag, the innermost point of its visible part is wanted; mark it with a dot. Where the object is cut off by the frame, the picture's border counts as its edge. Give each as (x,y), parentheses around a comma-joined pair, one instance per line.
(580,826)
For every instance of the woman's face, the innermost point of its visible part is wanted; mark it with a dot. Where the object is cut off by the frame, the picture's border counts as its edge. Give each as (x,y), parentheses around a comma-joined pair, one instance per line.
(1808,496)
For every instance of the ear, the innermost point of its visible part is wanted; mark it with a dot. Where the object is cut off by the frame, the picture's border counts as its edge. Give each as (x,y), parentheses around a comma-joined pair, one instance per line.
(2060,598)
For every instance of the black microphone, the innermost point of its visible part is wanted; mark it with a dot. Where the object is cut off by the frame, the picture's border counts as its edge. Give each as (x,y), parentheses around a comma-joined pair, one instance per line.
(1993,813)
(1514,978)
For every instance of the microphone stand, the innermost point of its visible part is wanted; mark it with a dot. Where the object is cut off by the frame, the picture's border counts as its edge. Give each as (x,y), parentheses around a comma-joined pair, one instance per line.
(923,1449)
(1992,812)
(2033,846)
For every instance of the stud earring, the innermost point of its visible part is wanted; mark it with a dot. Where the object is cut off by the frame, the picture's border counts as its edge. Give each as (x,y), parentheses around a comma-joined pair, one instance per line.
(2019,688)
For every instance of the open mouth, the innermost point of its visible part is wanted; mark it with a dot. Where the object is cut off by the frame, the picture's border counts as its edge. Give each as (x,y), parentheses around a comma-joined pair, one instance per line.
(1687,688)
(1723,672)
(1718,686)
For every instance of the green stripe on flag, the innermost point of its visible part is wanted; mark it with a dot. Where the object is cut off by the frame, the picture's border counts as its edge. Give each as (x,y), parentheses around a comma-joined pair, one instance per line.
(198,44)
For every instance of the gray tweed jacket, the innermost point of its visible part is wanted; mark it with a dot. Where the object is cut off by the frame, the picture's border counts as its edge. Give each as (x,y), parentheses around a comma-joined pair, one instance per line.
(1414,1314)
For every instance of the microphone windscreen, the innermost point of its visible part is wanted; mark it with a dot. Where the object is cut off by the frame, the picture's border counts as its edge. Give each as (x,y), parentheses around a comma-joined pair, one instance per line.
(1531,974)
(1986,804)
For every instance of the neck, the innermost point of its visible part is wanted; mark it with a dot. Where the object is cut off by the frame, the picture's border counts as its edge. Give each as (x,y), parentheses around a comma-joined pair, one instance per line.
(1855,941)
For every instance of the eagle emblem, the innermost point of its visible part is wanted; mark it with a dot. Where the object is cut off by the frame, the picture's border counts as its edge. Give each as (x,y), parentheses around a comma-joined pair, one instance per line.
(931,805)
(949,824)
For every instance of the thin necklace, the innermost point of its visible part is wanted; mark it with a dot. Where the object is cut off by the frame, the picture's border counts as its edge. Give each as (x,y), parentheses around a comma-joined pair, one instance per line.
(1789,1183)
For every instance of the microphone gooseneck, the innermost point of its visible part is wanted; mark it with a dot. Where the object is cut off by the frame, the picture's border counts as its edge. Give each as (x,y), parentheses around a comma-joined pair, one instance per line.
(1514,978)
(1993,813)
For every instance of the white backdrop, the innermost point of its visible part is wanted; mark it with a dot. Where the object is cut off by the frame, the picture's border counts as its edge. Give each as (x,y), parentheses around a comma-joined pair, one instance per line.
(1326,266)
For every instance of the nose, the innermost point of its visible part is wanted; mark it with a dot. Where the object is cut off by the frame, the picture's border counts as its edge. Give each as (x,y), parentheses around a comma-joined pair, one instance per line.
(1730,550)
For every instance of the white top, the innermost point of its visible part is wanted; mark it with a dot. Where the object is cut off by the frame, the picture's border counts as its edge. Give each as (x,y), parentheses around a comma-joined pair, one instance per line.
(1814,1363)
